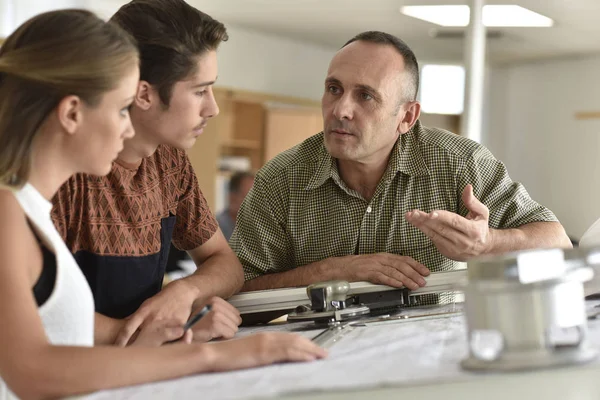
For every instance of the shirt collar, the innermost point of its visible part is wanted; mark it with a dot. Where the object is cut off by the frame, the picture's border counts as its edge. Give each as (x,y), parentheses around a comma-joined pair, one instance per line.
(325,168)
(406,157)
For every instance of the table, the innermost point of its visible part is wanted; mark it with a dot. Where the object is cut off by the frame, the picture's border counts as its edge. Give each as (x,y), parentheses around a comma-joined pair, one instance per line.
(388,361)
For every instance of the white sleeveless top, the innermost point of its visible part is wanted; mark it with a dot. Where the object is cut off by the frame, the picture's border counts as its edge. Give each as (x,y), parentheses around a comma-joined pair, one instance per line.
(68,314)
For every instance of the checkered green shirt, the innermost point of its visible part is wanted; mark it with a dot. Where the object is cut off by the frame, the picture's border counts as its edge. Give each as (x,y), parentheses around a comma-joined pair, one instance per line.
(300,211)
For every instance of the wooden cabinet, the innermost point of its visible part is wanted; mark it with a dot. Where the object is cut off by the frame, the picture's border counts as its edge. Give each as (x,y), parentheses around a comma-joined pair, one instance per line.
(247,135)
(285,127)
(448,122)
(253,125)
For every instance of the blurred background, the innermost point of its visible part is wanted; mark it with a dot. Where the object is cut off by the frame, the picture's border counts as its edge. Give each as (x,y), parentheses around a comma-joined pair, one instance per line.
(541,102)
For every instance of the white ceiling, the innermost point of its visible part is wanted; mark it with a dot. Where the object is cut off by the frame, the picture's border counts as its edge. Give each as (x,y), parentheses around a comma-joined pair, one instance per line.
(330,23)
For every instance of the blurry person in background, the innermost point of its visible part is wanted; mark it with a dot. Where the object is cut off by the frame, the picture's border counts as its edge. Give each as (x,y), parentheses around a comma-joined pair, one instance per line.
(239,186)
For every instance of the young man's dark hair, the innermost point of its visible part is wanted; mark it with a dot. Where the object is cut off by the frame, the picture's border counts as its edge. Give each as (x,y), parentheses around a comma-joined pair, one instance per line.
(170,34)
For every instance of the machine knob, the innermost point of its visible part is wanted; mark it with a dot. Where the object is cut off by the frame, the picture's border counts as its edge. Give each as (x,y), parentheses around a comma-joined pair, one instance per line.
(328,296)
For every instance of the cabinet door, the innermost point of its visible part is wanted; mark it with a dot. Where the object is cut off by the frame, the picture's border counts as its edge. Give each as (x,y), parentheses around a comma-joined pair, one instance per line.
(286,127)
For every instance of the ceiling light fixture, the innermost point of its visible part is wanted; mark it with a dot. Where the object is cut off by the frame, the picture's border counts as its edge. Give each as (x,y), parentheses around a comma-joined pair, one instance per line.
(493,15)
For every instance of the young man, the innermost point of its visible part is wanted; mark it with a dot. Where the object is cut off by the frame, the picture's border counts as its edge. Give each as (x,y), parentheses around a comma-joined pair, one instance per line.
(377,196)
(120,227)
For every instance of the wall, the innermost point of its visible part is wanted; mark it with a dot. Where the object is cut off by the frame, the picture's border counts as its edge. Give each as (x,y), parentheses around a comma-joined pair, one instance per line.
(261,62)
(14,12)
(249,60)
(531,126)
(266,63)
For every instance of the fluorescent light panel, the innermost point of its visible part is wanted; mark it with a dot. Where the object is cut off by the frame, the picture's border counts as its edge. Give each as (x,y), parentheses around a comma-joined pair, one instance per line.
(493,15)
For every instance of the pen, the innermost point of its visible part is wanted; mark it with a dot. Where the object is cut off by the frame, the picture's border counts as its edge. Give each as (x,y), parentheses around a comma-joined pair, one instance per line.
(197,317)
(205,310)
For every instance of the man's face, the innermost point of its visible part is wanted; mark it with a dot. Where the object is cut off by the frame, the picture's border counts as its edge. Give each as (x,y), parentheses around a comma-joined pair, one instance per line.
(361,103)
(192,105)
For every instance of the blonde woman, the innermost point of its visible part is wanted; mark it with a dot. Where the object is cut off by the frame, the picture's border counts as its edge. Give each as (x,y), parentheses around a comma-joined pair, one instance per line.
(67,80)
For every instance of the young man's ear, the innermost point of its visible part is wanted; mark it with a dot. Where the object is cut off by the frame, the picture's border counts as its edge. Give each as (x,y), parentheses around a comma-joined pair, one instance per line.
(145,96)
(410,112)
(69,113)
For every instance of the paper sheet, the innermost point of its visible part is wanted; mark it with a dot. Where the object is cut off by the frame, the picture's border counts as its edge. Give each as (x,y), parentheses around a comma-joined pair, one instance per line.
(389,354)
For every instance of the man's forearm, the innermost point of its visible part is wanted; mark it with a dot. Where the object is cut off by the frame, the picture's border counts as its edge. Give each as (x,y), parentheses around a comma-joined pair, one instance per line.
(529,236)
(301,276)
(221,275)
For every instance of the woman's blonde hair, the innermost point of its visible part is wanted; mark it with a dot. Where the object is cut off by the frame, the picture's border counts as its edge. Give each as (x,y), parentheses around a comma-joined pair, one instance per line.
(49,57)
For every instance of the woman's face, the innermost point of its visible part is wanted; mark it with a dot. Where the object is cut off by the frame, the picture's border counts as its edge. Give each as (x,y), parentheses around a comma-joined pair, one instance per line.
(105,126)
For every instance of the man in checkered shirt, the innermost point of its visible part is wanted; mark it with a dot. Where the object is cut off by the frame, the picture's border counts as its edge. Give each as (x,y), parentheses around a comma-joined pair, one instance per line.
(377,196)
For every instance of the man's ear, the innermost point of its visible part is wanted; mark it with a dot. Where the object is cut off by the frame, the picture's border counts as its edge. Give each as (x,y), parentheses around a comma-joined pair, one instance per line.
(411,112)
(145,96)
(70,113)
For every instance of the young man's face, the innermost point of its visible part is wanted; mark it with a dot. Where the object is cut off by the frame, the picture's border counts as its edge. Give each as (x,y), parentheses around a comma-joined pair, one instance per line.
(192,105)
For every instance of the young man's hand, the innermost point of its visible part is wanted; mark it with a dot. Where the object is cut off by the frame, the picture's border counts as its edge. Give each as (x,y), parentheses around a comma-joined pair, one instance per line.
(160,332)
(220,323)
(174,303)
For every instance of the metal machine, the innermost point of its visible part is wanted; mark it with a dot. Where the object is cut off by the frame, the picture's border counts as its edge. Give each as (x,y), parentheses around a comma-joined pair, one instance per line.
(524,310)
(527,310)
(339,300)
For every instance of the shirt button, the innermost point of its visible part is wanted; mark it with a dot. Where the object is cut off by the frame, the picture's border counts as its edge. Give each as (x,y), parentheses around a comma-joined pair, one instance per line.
(369,209)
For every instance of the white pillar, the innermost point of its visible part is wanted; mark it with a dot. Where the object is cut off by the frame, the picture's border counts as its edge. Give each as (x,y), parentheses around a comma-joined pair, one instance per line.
(471,121)
(7,18)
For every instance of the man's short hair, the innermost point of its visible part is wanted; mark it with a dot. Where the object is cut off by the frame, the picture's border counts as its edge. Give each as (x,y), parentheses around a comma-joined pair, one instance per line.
(171,35)
(236,180)
(410,60)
